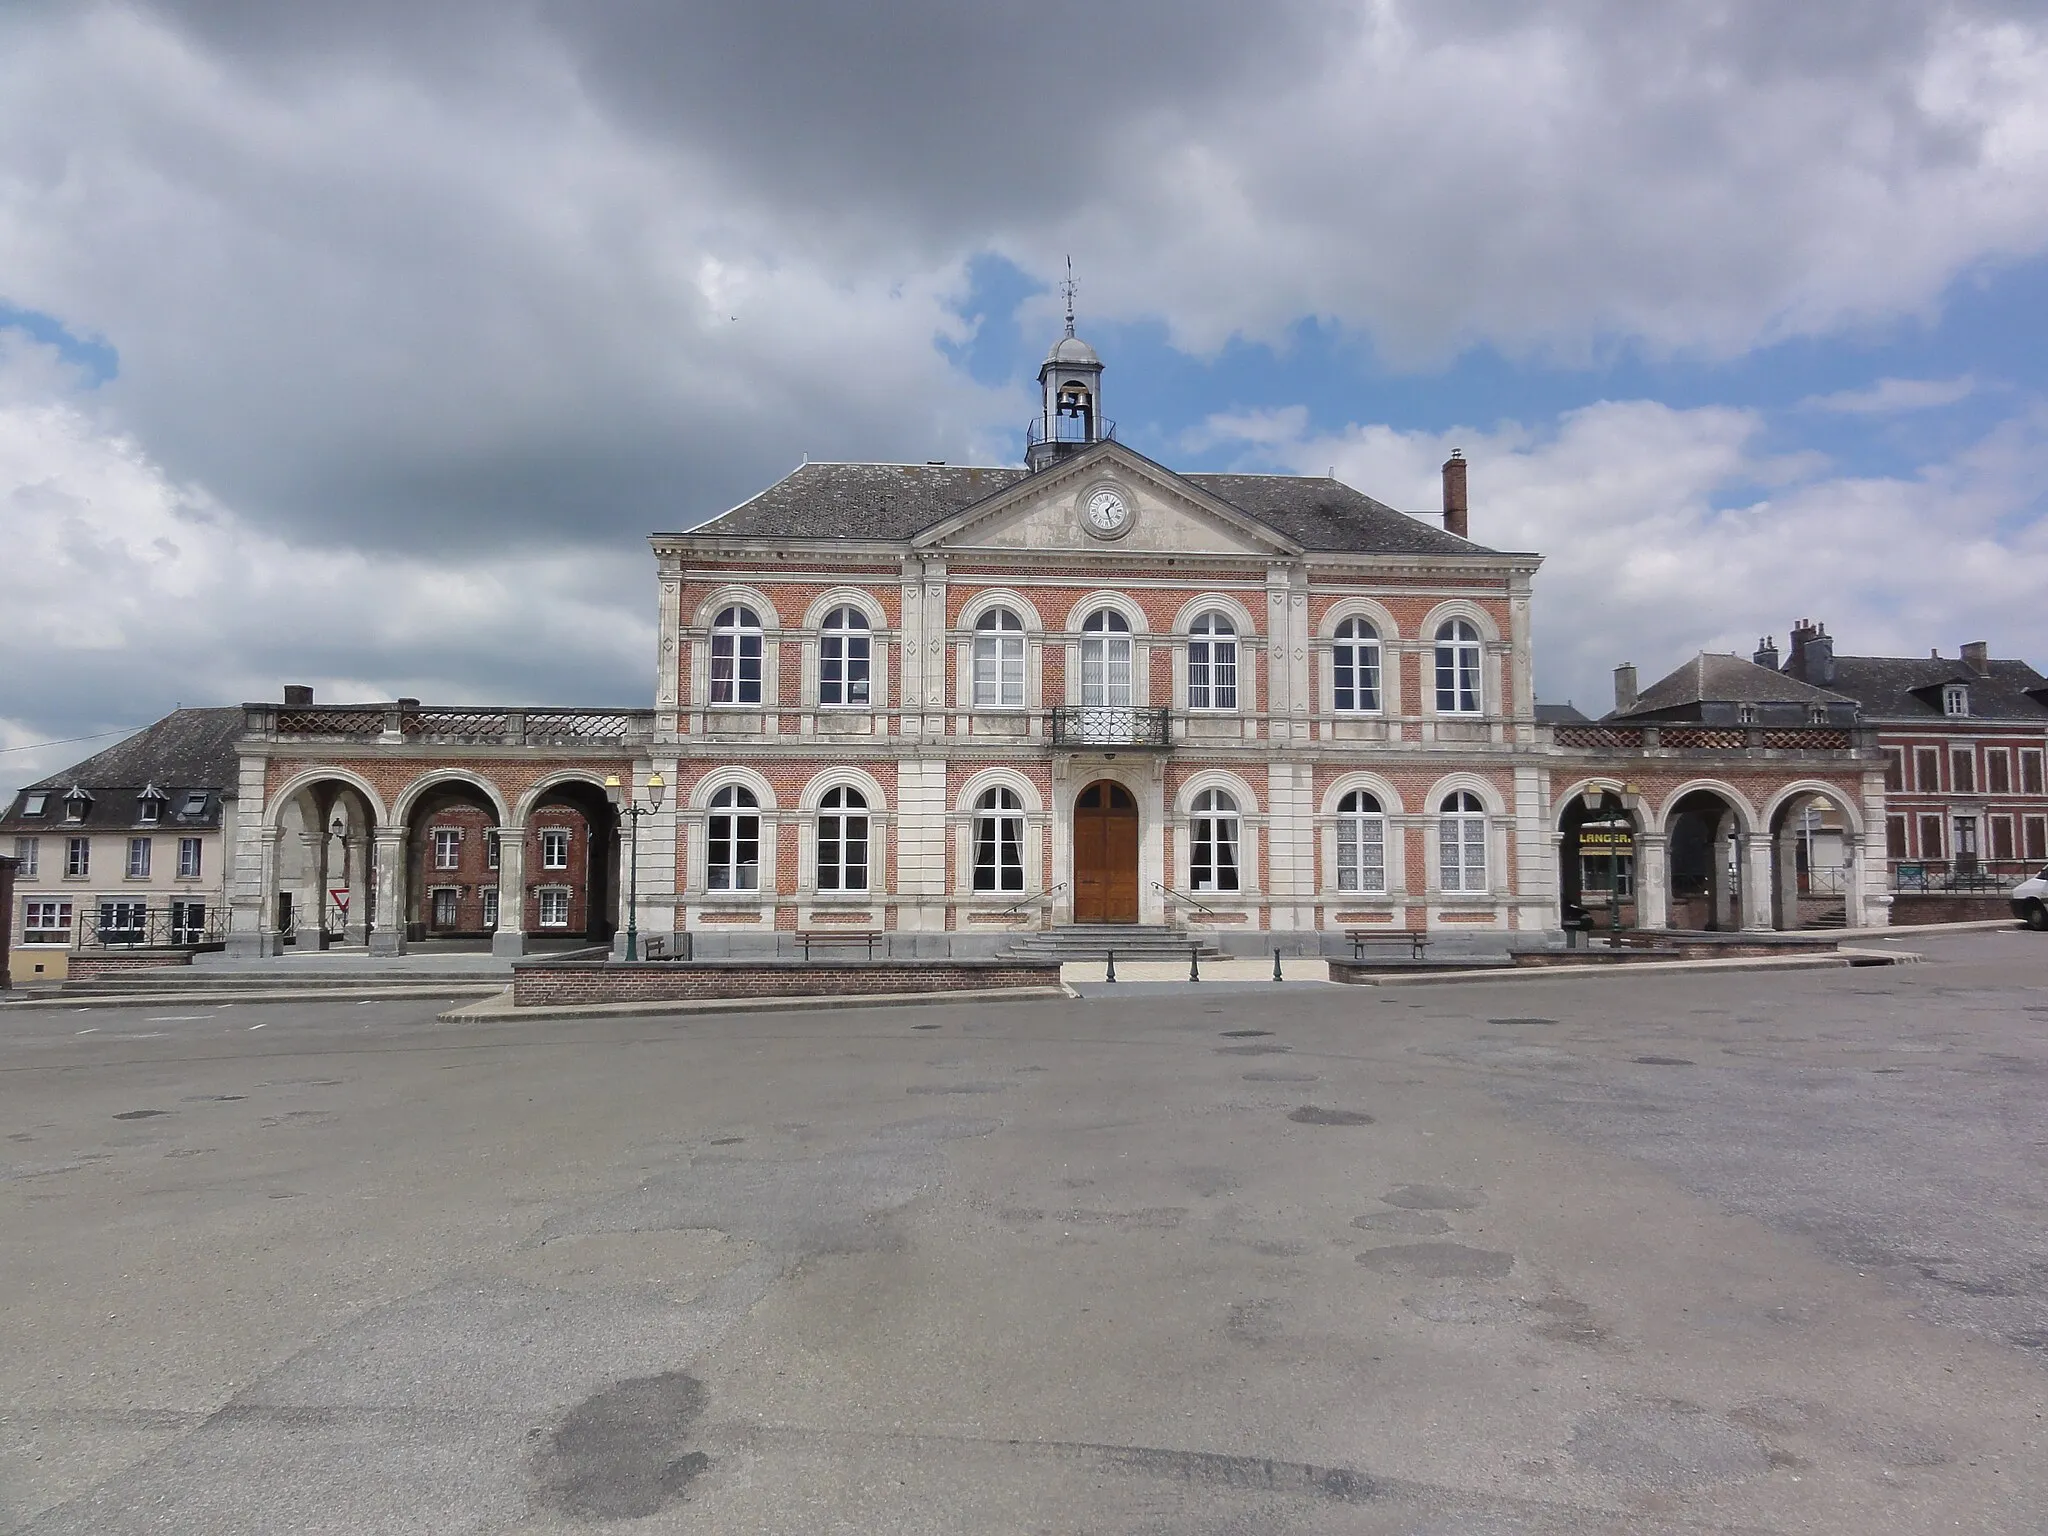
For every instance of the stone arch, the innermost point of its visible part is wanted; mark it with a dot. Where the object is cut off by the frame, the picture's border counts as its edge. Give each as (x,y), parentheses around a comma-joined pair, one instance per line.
(1459,608)
(1231,607)
(996,776)
(304,862)
(1000,597)
(1706,825)
(869,606)
(1370,609)
(726,596)
(440,778)
(1815,868)
(733,773)
(847,776)
(1489,793)
(312,777)
(1745,813)
(1117,602)
(1599,872)
(1377,785)
(1232,783)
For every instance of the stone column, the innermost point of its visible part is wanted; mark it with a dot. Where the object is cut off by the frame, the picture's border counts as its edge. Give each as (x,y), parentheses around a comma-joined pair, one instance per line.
(1853,913)
(1785,877)
(260,937)
(1753,858)
(510,938)
(357,851)
(1653,881)
(309,893)
(387,930)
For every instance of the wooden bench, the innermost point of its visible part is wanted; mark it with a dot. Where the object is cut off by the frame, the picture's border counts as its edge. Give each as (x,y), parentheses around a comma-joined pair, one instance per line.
(867,938)
(1417,941)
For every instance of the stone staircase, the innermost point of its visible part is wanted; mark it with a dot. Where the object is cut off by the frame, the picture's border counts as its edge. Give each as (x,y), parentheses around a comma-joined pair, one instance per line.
(1129,941)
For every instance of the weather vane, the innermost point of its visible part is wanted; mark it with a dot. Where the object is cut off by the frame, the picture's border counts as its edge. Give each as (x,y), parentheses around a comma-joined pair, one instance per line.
(1068,289)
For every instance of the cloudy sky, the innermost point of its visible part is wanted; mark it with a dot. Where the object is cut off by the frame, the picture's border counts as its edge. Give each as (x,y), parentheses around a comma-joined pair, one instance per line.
(361,345)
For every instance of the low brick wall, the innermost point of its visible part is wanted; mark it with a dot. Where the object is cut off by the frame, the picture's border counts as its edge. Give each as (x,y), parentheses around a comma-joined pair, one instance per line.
(85,964)
(1910,910)
(553,985)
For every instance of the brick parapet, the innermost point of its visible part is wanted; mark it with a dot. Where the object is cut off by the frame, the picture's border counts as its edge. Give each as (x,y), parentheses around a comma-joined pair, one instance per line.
(555,984)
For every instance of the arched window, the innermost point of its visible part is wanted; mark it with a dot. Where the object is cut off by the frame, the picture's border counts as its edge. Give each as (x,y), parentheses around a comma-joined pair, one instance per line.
(999,660)
(1355,661)
(1106,658)
(1212,864)
(736,656)
(999,841)
(843,660)
(1212,663)
(1361,843)
(1461,842)
(843,841)
(732,853)
(1458,689)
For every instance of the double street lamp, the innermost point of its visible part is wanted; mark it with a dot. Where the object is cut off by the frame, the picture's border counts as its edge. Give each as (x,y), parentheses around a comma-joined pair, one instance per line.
(1615,822)
(617,793)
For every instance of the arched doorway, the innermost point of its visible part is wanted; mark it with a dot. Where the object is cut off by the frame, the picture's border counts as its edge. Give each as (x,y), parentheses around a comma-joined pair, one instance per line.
(1105,854)
(452,857)
(1813,858)
(322,894)
(1597,874)
(569,869)
(1704,843)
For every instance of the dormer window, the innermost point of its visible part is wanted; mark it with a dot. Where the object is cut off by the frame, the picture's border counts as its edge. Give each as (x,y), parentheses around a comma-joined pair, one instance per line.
(149,806)
(195,803)
(33,802)
(1818,715)
(1745,714)
(1955,699)
(76,803)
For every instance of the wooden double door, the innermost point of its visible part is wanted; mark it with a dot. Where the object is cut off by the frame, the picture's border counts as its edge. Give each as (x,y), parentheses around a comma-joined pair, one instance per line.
(1105,854)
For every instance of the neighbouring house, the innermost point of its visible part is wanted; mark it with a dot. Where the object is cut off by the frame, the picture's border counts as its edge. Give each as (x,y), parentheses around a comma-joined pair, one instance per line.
(1965,743)
(129,847)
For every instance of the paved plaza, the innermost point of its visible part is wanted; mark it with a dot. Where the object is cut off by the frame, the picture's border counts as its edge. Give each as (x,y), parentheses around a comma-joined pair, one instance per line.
(1755,1252)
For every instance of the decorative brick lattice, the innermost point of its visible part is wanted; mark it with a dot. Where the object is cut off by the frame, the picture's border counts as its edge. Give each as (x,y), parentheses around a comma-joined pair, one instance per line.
(329,722)
(1704,738)
(455,724)
(1598,738)
(563,726)
(1807,739)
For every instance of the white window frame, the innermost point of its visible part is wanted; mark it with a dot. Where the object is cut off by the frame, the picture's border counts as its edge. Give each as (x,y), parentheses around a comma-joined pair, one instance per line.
(447,848)
(1215,843)
(493,848)
(1106,660)
(1955,701)
(191,857)
(843,842)
(554,848)
(149,811)
(60,913)
(733,825)
(141,854)
(2033,778)
(34,801)
(1463,857)
(1361,844)
(434,895)
(29,851)
(845,645)
(1460,668)
(553,899)
(997,856)
(78,858)
(491,907)
(1212,663)
(1355,658)
(999,659)
(739,645)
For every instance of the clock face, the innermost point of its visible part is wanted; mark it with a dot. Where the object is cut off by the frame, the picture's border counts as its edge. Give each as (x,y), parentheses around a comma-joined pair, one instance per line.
(1107,512)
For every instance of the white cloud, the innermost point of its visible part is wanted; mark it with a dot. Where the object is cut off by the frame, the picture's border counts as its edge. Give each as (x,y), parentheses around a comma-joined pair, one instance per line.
(1658,542)
(1892,397)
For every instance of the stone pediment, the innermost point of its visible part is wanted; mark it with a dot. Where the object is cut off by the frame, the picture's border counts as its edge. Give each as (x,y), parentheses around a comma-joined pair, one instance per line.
(1165,514)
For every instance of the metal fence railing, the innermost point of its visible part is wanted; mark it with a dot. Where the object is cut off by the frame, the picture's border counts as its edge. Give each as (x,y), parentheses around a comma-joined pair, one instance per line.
(130,925)
(1976,876)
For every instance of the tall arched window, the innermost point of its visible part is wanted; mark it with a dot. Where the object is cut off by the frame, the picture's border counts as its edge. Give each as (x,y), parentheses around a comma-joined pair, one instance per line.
(1361,843)
(1461,842)
(843,659)
(843,841)
(1212,663)
(999,660)
(1458,688)
(736,656)
(999,841)
(1106,658)
(1212,862)
(1355,662)
(732,853)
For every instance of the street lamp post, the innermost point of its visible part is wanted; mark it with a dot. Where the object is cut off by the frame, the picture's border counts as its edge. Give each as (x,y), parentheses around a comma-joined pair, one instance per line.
(1595,800)
(616,792)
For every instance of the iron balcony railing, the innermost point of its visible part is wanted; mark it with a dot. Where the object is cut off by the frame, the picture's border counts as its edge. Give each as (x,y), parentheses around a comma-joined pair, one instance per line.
(1070,430)
(124,925)
(1110,725)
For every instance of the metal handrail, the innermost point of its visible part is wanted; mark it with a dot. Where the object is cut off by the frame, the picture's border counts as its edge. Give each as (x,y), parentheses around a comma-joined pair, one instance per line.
(1182,896)
(1043,896)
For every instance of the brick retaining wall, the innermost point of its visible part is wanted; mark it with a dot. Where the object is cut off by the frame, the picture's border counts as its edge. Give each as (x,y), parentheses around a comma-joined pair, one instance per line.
(88,963)
(552,985)
(1909,911)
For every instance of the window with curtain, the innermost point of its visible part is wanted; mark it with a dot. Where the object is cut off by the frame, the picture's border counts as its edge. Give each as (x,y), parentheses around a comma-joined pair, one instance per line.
(1106,658)
(1213,842)
(1458,687)
(732,859)
(999,841)
(1355,665)
(736,656)
(1361,843)
(843,841)
(1461,842)
(844,659)
(1212,663)
(999,660)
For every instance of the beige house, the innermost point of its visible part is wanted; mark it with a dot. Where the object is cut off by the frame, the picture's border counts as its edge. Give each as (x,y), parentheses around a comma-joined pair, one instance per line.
(128,847)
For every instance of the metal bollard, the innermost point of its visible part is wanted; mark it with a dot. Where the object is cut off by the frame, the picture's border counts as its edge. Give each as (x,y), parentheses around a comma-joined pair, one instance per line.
(1111,976)
(1194,962)
(1276,965)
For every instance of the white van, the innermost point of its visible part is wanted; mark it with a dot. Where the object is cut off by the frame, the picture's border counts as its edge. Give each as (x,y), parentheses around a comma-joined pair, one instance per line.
(2030,902)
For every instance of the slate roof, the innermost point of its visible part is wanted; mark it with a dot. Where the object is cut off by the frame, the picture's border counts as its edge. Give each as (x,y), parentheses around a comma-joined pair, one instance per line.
(187,751)
(896,502)
(1561,714)
(1714,678)
(1884,686)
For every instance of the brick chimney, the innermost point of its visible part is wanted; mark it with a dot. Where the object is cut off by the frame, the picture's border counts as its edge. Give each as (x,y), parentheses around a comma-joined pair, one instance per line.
(297,697)
(1456,506)
(1767,653)
(1977,657)
(1624,687)
(1813,654)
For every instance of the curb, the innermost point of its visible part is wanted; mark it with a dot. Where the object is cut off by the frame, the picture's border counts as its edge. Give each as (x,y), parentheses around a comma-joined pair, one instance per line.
(1975,925)
(215,999)
(1840,961)
(498,1009)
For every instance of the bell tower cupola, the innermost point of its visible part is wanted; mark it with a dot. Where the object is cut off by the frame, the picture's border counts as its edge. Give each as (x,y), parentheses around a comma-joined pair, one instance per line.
(1070,415)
